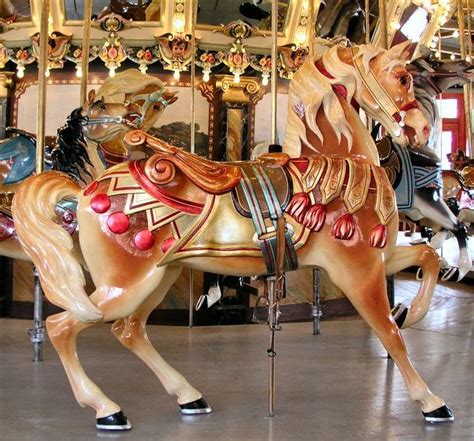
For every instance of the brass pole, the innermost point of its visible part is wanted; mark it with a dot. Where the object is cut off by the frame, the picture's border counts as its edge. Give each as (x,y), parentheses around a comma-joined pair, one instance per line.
(311,29)
(467,87)
(367,21)
(383,22)
(85,49)
(469,128)
(42,82)
(193,137)
(274,89)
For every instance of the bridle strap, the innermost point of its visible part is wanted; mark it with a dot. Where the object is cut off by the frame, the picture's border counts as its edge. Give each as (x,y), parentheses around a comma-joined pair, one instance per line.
(386,103)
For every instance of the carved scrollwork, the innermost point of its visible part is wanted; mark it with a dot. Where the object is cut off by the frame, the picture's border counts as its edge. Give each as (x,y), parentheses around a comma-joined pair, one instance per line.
(161,172)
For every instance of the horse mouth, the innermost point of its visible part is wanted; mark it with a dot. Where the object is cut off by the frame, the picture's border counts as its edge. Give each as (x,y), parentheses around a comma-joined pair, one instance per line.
(133,119)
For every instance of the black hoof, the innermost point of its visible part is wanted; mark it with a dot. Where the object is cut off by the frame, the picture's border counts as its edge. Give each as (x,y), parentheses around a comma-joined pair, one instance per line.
(439,415)
(400,313)
(117,421)
(195,407)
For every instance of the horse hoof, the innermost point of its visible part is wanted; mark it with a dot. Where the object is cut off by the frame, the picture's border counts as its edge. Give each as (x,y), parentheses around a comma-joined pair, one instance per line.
(197,407)
(400,313)
(118,421)
(440,415)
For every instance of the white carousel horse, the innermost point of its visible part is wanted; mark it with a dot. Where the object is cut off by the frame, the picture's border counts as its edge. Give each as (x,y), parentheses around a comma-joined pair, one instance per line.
(142,222)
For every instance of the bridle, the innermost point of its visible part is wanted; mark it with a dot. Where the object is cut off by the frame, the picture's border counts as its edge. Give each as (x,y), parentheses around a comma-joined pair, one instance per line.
(387,105)
(155,97)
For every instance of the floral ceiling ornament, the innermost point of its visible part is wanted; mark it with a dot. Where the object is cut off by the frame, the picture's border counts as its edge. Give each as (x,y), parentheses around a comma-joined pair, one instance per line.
(58,46)
(237,58)
(75,55)
(21,57)
(112,52)
(176,52)
(263,64)
(143,56)
(291,58)
(208,60)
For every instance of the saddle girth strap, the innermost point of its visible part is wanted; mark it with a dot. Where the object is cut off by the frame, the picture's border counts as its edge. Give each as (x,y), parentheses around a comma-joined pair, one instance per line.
(267,235)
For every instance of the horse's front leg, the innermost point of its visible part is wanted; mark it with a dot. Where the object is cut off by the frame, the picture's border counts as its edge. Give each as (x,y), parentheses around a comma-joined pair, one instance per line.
(131,332)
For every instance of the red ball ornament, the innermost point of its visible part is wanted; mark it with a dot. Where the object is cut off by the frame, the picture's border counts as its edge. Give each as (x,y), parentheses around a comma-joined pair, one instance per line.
(144,240)
(118,223)
(100,203)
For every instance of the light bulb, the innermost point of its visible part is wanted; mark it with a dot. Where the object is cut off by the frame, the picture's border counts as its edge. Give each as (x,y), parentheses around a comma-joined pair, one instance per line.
(78,71)
(178,23)
(435,38)
(206,76)
(469,59)
(112,72)
(438,54)
(265,78)
(176,75)
(143,68)
(237,77)
(47,73)
(395,25)
(20,71)
(453,57)
(455,34)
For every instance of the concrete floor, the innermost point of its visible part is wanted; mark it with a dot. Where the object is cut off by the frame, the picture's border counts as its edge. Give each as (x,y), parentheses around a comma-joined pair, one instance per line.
(333,387)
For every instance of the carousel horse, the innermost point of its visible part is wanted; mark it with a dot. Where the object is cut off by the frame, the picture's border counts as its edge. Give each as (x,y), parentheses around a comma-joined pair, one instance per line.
(128,101)
(141,222)
(415,172)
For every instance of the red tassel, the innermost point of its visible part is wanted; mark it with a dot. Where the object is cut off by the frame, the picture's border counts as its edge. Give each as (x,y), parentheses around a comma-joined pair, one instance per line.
(298,205)
(378,236)
(315,217)
(344,227)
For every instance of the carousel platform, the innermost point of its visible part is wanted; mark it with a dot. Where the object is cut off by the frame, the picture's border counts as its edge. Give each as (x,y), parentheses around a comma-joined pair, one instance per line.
(336,386)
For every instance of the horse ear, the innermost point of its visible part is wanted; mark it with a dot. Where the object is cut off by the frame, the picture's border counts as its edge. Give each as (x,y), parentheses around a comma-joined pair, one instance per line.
(400,51)
(91,96)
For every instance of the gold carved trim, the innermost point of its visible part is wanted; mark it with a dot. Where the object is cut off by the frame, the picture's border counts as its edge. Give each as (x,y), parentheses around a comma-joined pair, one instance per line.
(385,206)
(333,180)
(237,92)
(357,185)
(313,174)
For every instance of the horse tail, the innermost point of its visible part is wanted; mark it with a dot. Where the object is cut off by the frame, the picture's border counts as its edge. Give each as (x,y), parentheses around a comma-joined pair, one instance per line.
(49,246)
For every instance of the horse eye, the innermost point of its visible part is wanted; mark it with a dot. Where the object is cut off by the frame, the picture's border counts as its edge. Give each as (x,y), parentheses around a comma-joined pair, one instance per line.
(404,80)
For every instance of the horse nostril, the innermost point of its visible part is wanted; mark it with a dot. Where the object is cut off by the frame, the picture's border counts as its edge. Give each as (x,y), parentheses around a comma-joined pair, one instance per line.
(427,131)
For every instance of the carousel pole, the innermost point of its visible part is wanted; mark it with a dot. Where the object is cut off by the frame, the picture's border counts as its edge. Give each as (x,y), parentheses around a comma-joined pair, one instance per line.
(85,49)
(383,22)
(37,333)
(367,21)
(194,5)
(467,87)
(470,153)
(271,283)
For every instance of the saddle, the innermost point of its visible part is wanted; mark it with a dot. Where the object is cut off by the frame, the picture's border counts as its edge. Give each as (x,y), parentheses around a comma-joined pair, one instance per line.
(261,189)
(279,179)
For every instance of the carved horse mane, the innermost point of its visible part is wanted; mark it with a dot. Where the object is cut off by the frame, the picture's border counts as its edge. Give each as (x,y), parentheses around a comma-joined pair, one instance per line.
(319,85)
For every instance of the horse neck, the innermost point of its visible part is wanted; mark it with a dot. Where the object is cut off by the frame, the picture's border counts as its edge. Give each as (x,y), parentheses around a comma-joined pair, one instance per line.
(98,167)
(363,146)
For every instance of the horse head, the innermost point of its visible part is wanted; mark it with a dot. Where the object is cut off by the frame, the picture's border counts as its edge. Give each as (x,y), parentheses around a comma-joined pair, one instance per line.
(387,93)
(435,76)
(130,100)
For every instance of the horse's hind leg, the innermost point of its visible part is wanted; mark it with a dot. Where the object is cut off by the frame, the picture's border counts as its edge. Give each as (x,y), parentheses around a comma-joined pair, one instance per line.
(63,330)
(131,332)
(367,292)
(427,259)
